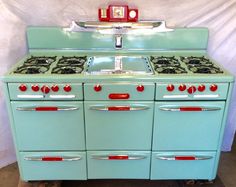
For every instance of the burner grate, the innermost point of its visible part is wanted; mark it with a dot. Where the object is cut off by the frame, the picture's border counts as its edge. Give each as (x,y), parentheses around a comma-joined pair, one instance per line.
(196,61)
(25,69)
(205,69)
(170,69)
(163,60)
(40,61)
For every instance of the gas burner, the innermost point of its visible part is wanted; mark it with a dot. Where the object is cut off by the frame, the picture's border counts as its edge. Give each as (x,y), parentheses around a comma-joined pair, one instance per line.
(196,61)
(205,69)
(164,61)
(67,70)
(25,69)
(39,61)
(170,69)
(72,61)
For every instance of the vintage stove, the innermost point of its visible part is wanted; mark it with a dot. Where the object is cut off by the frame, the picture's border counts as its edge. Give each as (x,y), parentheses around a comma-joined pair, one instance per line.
(88,105)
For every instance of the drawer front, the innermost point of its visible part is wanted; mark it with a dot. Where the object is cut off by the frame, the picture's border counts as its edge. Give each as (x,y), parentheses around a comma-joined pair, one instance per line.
(119,91)
(43,126)
(118,164)
(183,165)
(76,92)
(53,165)
(118,125)
(187,125)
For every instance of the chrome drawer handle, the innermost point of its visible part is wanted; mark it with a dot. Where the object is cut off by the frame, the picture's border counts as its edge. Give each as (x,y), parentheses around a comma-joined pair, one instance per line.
(118,157)
(184,158)
(119,108)
(53,158)
(62,96)
(189,109)
(30,96)
(46,108)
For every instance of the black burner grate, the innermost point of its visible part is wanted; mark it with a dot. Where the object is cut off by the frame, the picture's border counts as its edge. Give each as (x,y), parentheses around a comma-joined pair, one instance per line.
(40,61)
(25,69)
(170,69)
(163,60)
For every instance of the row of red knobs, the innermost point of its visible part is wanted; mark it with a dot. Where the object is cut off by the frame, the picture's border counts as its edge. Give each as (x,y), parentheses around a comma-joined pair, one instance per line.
(45,89)
(98,88)
(191,89)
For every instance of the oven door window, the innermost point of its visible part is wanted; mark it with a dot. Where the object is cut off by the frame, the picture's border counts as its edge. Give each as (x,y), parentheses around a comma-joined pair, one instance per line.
(187,125)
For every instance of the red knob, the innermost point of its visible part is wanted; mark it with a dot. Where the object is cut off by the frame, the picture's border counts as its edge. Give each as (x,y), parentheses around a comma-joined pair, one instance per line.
(201,88)
(140,88)
(55,88)
(170,88)
(213,87)
(182,87)
(23,87)
(192,89)
(67,88)
(45,89)
(35,88)
(97,88)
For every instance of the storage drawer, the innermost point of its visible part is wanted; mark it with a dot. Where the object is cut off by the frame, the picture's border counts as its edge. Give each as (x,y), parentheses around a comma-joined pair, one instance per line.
(53,165)
(118,125)
(183,165)
(118,164)
(119,91)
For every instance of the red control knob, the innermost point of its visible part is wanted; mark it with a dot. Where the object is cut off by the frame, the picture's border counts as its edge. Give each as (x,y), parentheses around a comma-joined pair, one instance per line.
(182,87)
(170,88)
(45,89)
(213,87)
(97,88)
(192,89)
(55,88)
(23,87)
(67,88)
(35,88)
(140,88)
(201,88)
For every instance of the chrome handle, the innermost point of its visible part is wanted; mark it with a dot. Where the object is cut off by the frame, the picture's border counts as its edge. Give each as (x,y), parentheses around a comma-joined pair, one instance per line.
(119,108)
(30,96)
(53,158)
(118,41)
(46,108)
(118,157)
(184,158)
(62,96)
(188,108)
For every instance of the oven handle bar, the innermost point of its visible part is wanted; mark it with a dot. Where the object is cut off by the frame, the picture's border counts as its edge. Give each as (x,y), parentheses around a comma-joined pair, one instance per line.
(47,108)
(119,108)
(52,158)
(188,108)
(119,157)
(185,158)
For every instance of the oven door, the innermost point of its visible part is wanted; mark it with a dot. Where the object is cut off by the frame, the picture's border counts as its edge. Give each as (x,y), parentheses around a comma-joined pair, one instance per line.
(49,125)
(187,125)
(112,125)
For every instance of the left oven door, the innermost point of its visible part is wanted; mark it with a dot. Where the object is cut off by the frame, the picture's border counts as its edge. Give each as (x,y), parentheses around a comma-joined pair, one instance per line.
(49,125)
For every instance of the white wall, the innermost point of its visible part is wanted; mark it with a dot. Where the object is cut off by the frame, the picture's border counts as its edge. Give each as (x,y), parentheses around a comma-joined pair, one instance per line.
(218,15)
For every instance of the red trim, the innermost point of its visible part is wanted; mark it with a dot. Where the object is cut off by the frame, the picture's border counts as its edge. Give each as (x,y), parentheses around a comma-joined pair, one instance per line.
(46,108)
(52,159)
(186,109)
(119,108)
(118,157)
(119,96)
(185,158)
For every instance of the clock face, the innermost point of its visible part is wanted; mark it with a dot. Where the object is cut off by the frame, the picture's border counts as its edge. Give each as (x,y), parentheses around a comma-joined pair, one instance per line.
(118,12)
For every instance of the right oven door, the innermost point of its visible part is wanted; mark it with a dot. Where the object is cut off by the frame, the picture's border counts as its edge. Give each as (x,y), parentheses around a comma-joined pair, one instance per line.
(187,125)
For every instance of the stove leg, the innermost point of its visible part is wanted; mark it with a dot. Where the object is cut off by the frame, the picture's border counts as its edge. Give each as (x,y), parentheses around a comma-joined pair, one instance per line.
(198,182)
(39,184)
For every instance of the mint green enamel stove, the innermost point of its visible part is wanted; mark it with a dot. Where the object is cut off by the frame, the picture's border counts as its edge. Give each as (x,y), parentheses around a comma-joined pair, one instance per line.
(120,117)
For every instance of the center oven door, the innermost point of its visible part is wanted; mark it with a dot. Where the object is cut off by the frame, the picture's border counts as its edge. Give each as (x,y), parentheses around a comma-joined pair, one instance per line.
(118,125)
(187,125)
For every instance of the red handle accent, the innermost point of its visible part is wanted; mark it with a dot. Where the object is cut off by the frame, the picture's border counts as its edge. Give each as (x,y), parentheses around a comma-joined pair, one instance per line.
(118,157)
(119,108)
(189,109)
(46,108)
(119,96)
(185,158)
(52,159)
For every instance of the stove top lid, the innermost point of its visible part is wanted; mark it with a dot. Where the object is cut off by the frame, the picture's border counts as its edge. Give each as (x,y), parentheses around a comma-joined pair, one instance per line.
(131,65)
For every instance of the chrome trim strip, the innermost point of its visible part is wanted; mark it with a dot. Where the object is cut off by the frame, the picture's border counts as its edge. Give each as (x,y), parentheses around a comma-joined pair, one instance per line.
(206,96)
(30,96)
(62,96)
(175,96)
(130,157)
(64,158)
(131,108)
(58,108)
(177,109)
(173,157)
